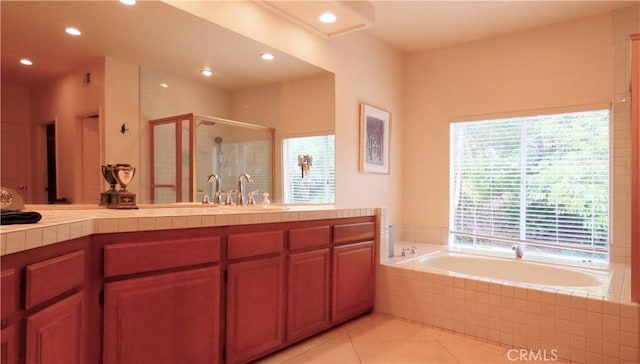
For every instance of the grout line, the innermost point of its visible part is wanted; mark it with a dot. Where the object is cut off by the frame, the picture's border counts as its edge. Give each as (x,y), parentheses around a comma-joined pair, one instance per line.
(354,347)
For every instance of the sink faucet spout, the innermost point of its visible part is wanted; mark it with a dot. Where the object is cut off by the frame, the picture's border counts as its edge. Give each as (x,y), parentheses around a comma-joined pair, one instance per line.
(240,200)
(213,179)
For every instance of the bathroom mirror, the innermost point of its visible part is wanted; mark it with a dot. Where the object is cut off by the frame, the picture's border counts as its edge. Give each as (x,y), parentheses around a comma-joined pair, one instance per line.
(46,106)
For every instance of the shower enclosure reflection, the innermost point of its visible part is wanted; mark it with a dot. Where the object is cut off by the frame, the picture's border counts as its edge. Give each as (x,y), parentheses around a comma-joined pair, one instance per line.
(186,149)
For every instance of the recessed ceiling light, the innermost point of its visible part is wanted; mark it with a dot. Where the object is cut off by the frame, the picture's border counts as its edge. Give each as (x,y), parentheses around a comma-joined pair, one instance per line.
(72,31)
(328,18)
(26,62)
(164,85)
(128,2)
(206,72)
(267,56)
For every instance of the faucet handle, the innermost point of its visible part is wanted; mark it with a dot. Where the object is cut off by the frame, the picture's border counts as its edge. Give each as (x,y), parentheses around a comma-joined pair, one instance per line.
(251,199)
(228,201)
(205,199)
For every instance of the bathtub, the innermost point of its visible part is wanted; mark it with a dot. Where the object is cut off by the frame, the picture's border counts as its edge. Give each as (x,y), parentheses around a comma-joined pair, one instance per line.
(507,270)
(514,303)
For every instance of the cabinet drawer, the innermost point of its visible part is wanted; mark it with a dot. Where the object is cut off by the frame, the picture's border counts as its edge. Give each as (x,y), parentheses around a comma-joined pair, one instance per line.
(8,285)
(315,237)
(347,233)
(52,277)
(128,258)
(254,244)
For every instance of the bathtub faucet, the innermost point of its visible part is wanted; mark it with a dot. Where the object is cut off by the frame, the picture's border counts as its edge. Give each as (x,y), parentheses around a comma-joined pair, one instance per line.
(409,252)
(519,249)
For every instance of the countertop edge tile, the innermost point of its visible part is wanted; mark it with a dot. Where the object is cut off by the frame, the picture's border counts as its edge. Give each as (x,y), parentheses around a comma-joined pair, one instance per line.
(65,223)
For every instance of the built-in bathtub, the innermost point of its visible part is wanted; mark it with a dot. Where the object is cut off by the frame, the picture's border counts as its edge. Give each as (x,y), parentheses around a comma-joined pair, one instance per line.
(585,315)
(508,270)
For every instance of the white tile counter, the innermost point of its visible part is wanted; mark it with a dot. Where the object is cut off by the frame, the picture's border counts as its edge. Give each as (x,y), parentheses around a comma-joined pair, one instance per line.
(64,222)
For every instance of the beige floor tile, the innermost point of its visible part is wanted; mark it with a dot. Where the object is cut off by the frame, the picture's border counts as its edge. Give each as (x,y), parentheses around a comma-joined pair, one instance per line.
(382,329)
(374,339)
(406,352)
(470,351)
(335,351)
(276,358)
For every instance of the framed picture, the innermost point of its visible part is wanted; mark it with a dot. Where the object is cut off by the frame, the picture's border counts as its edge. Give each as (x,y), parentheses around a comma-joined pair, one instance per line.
(375,129)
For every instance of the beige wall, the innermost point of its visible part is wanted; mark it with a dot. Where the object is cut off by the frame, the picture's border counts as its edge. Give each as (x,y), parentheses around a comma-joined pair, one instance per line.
(366,69)
(64,100)
(556,66)
(15,119)
(121,105)
(294,108)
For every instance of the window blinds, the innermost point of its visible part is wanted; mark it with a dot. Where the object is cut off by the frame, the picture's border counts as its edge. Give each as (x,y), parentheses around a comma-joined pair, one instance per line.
(318,186)
(540,179)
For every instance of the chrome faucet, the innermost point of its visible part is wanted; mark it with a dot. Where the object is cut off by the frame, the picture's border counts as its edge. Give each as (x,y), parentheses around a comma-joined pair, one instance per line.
(518,249)
(217,197)
(240,194)
(406,252)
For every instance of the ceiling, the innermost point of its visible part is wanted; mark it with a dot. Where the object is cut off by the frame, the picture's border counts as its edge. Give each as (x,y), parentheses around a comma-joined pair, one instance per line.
(151,33)
(187,44)
(411,26)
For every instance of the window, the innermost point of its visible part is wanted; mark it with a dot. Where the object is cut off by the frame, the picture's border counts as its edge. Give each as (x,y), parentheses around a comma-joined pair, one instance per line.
(542,180)
(319,185)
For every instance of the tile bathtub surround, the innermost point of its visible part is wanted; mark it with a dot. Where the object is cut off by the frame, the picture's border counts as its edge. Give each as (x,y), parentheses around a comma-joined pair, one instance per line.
(422,234)
(625,22)
(580,327)
(65,224)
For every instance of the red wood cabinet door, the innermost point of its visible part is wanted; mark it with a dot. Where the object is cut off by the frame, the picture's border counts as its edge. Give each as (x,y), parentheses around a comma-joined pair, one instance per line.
(308,293)
(163,319)
(9,346)
(353,280)
(56,334)
(255,308)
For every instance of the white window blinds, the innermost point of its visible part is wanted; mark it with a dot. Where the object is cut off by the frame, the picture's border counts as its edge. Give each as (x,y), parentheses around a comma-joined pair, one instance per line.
(254,158)
(318,185)
(541,179)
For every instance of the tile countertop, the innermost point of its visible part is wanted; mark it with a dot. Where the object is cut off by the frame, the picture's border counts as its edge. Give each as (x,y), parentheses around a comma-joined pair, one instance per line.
(65,222)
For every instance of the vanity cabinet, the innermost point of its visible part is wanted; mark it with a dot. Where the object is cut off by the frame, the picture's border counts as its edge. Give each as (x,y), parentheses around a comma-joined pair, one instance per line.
(162,302)
(308,281)
(44,305)
(9,348)
(353,270)
(255,295)
(9,353)
(55,334)
(227,294)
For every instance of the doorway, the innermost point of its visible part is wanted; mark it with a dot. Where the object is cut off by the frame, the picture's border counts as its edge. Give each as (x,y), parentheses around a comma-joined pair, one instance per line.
(52,184)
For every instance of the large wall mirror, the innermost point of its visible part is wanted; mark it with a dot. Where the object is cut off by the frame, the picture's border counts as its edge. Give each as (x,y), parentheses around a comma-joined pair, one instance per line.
(87,100)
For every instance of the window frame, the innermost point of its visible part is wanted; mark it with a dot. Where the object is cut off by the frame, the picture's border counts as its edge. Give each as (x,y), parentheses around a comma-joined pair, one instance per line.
(607,248)
(287,171)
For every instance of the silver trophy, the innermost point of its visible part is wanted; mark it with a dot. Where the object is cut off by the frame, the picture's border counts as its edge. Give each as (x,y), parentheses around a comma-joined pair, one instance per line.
(122,174)
(107,173)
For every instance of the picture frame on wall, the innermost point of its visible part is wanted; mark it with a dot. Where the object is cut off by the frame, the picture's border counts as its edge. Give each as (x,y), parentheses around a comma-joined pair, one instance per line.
(375,135)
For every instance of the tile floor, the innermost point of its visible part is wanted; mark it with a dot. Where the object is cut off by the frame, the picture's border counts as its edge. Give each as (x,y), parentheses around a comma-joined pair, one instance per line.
(379,339)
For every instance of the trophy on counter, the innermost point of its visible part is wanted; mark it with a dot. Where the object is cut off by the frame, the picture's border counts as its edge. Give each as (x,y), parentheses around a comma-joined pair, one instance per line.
(105,197)
(121,174)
